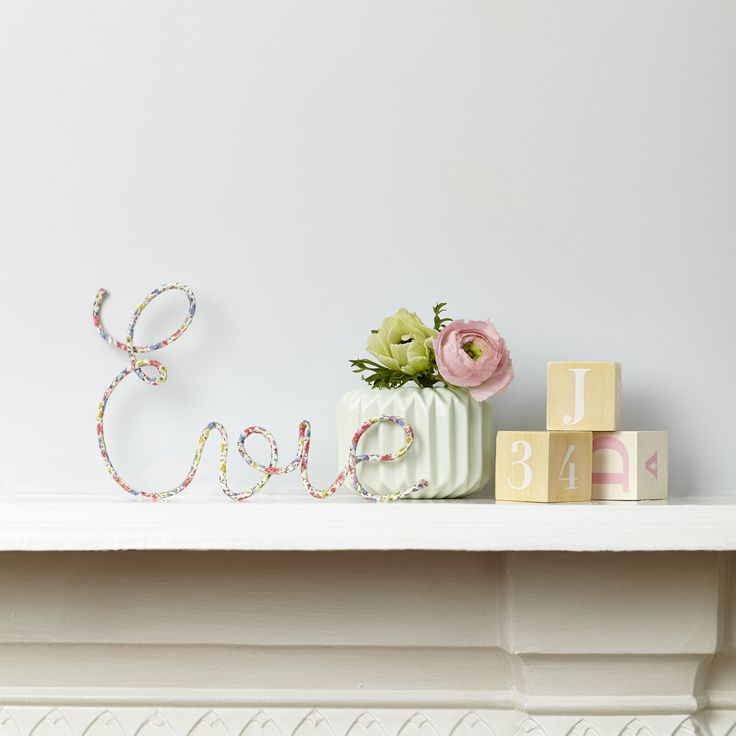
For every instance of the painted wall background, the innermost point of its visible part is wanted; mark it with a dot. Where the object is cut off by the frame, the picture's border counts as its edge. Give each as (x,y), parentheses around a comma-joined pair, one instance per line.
(566,169)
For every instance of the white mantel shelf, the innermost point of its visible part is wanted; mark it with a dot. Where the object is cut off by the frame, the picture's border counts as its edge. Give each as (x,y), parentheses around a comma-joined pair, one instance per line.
(97,523)
(517,641)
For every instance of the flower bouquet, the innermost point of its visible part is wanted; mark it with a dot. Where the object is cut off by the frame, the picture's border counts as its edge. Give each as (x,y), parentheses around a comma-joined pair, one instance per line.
(438,378)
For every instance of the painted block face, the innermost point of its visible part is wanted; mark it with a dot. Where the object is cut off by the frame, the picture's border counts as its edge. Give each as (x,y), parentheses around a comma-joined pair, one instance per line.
(629,466)
(583,396)
(546,467)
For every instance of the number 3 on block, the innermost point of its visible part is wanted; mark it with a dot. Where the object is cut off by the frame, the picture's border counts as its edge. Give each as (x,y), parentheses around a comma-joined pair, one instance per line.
(543,466)
(526,453)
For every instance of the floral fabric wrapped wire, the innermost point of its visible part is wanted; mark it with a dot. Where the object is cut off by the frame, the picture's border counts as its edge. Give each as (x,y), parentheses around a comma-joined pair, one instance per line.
(301,461)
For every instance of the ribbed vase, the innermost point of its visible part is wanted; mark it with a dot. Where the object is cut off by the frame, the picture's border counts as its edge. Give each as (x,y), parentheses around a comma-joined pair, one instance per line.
(452,446)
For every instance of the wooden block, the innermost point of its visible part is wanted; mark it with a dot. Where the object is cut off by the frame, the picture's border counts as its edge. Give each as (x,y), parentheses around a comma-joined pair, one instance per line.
(583,396)
(629,465)
(543,466)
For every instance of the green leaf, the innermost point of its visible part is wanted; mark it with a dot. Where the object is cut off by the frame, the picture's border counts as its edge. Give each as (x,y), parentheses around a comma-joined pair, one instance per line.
(379,376)
(439,320)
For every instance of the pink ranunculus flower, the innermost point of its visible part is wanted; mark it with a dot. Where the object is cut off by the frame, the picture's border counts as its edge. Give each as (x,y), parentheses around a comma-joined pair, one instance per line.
(473,355)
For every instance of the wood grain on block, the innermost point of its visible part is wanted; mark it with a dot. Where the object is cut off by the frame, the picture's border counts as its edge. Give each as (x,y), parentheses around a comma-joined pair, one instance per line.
(583,396)
(543,466)
(629,465)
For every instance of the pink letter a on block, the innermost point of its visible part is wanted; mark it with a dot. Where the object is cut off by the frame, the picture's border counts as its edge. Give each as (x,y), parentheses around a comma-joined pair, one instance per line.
(622,478)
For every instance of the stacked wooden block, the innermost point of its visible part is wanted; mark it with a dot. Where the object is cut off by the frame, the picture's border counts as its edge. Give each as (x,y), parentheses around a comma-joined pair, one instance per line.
(583,455)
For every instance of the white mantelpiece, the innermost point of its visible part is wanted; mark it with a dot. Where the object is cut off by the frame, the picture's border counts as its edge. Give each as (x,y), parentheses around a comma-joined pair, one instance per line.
(343,522)
(289,617)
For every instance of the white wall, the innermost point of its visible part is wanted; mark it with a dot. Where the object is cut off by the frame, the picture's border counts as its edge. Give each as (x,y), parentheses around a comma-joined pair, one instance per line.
(567,169)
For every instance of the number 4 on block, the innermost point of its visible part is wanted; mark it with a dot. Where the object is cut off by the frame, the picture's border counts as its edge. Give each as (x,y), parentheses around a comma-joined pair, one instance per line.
(543,466)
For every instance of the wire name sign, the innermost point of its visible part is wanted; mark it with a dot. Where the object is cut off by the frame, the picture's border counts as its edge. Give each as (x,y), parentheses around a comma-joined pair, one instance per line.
(135,366)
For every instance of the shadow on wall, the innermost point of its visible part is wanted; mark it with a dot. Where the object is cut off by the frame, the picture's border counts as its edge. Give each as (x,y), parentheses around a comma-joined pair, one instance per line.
(646,409)
(524,409)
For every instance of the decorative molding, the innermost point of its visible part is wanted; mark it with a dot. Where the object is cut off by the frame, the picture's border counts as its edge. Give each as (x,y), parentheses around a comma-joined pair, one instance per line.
(636,728)
(52,724)
(471,724)
(260,725)
(366,725)
(530,727)
(105,725)
(156,725)
(210,724)
(582,728)
(7,724)
(118,720)
(314,724)
(688,728)
(418,725)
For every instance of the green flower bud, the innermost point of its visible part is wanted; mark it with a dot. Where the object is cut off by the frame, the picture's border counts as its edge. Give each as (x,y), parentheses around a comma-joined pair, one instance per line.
(403,343)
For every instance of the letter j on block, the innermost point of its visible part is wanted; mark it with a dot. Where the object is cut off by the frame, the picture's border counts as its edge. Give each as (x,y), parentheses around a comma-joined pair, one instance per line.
(583,396)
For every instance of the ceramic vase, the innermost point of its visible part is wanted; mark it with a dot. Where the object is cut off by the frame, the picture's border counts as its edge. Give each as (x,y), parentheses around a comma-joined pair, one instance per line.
(452,447)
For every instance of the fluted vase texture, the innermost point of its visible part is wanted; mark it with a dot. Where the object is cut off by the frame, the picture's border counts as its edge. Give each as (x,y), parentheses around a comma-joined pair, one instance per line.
(452,446)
